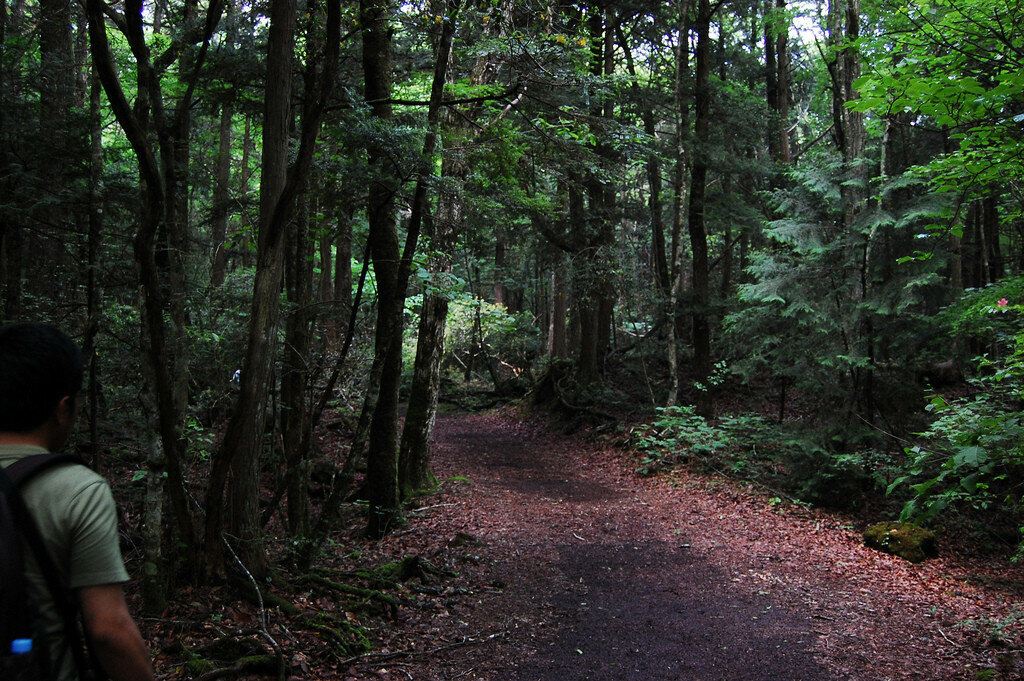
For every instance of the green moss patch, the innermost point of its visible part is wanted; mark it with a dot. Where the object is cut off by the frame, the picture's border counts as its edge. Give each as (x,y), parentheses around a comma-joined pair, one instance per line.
(902,539)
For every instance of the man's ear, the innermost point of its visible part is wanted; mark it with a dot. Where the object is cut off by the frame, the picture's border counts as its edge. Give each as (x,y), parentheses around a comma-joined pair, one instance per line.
(67,411)
(63,422)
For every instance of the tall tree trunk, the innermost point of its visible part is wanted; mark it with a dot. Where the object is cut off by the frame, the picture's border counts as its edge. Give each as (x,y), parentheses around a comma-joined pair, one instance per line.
(245,226)
(771,78)
(243,439)
(414,452)
(680,171)
(295,410)
(782,84)
(279,192)
(655,204)
(598,286)
(776,48)
(851,138)
(56,83)
(343,267)
(157,203)
(557,346)
(221,198)
(10,268)
(698,233)
(382,449)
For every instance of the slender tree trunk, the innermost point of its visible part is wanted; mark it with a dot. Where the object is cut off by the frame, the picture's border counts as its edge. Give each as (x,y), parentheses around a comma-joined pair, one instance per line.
(698,234)
(295,411)
(245,226)
(94,290)
(414,452)
(382,450)
(243,439)
(56,83)
(221,198)
(851,137)
(782,84)
(680,173)
(343,267)
(662,279)
(136,122)
(771,78)
(10,276)
(557,346)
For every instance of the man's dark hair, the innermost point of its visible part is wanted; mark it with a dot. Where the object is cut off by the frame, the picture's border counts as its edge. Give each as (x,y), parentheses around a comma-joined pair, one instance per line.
(39,366)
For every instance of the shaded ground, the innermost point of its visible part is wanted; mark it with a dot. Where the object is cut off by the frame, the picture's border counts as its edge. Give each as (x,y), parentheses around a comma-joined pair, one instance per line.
(623,600)
(579,569)
(547,558)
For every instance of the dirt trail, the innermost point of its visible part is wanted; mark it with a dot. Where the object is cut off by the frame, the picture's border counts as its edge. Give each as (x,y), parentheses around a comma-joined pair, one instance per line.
(580,570)
(619,596)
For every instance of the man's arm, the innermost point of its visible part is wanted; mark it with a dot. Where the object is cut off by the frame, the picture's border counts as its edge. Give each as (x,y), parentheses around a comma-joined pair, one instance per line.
(115,637)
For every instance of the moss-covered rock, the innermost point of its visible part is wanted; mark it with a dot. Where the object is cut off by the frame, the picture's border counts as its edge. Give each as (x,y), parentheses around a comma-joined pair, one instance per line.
(902,539)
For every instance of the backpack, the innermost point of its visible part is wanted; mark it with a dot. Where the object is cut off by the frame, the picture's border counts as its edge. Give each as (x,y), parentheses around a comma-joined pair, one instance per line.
(18,614)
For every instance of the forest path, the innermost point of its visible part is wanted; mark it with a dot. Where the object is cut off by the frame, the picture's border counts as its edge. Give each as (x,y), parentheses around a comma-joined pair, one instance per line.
(580,569)
(616,585)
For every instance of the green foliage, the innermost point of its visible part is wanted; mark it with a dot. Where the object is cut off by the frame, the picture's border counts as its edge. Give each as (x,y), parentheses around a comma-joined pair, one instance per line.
(679,434)
(477,329)
(997,632)
(953,65)
(824,308)
(973,452)
(978,315)
(750,448)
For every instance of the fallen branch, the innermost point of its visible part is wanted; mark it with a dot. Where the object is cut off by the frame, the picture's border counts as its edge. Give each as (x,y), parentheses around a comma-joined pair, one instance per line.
(384,657)
(259,664)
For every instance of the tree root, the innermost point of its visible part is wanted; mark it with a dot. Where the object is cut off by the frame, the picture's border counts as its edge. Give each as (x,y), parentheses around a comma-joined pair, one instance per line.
(255,664)
(355,642)
(366,594)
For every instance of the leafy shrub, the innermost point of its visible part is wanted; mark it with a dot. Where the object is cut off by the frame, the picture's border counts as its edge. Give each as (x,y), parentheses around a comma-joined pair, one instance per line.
(835,479)
(749,447)
(679,433)
(973,453)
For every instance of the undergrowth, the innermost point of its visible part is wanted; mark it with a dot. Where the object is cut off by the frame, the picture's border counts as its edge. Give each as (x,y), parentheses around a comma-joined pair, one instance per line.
(784,459)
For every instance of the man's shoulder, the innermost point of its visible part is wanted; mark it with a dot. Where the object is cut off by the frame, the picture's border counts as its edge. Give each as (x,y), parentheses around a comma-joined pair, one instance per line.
(69,478)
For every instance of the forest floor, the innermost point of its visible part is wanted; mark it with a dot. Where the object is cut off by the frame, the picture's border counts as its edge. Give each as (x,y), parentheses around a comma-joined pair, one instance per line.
(545,557)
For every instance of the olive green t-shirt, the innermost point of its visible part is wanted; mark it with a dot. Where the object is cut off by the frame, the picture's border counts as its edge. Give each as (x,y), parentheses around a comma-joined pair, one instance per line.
(77,518)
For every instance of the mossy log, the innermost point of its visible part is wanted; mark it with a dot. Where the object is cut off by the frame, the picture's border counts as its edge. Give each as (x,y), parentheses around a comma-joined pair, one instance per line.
(272,600)
(398,572)
(905,540)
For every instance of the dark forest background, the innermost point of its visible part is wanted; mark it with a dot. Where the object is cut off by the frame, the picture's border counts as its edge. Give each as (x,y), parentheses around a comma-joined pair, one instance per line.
(783,241)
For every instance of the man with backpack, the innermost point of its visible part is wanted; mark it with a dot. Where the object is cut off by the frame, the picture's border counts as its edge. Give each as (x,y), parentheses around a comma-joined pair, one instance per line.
(73,509)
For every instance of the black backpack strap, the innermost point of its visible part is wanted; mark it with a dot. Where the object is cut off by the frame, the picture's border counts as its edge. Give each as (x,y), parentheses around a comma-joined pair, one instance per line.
(24,469)
(12,479)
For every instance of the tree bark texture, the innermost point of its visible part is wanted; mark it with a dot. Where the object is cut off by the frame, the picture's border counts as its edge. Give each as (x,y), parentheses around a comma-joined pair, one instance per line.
(698,233)
(414,451)
(295,371)
(382,448)
(158,179)
(243,439)
(280,186)
(221,198)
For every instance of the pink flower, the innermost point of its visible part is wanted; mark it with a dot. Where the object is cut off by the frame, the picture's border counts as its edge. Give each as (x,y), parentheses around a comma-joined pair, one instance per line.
(1002,302)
